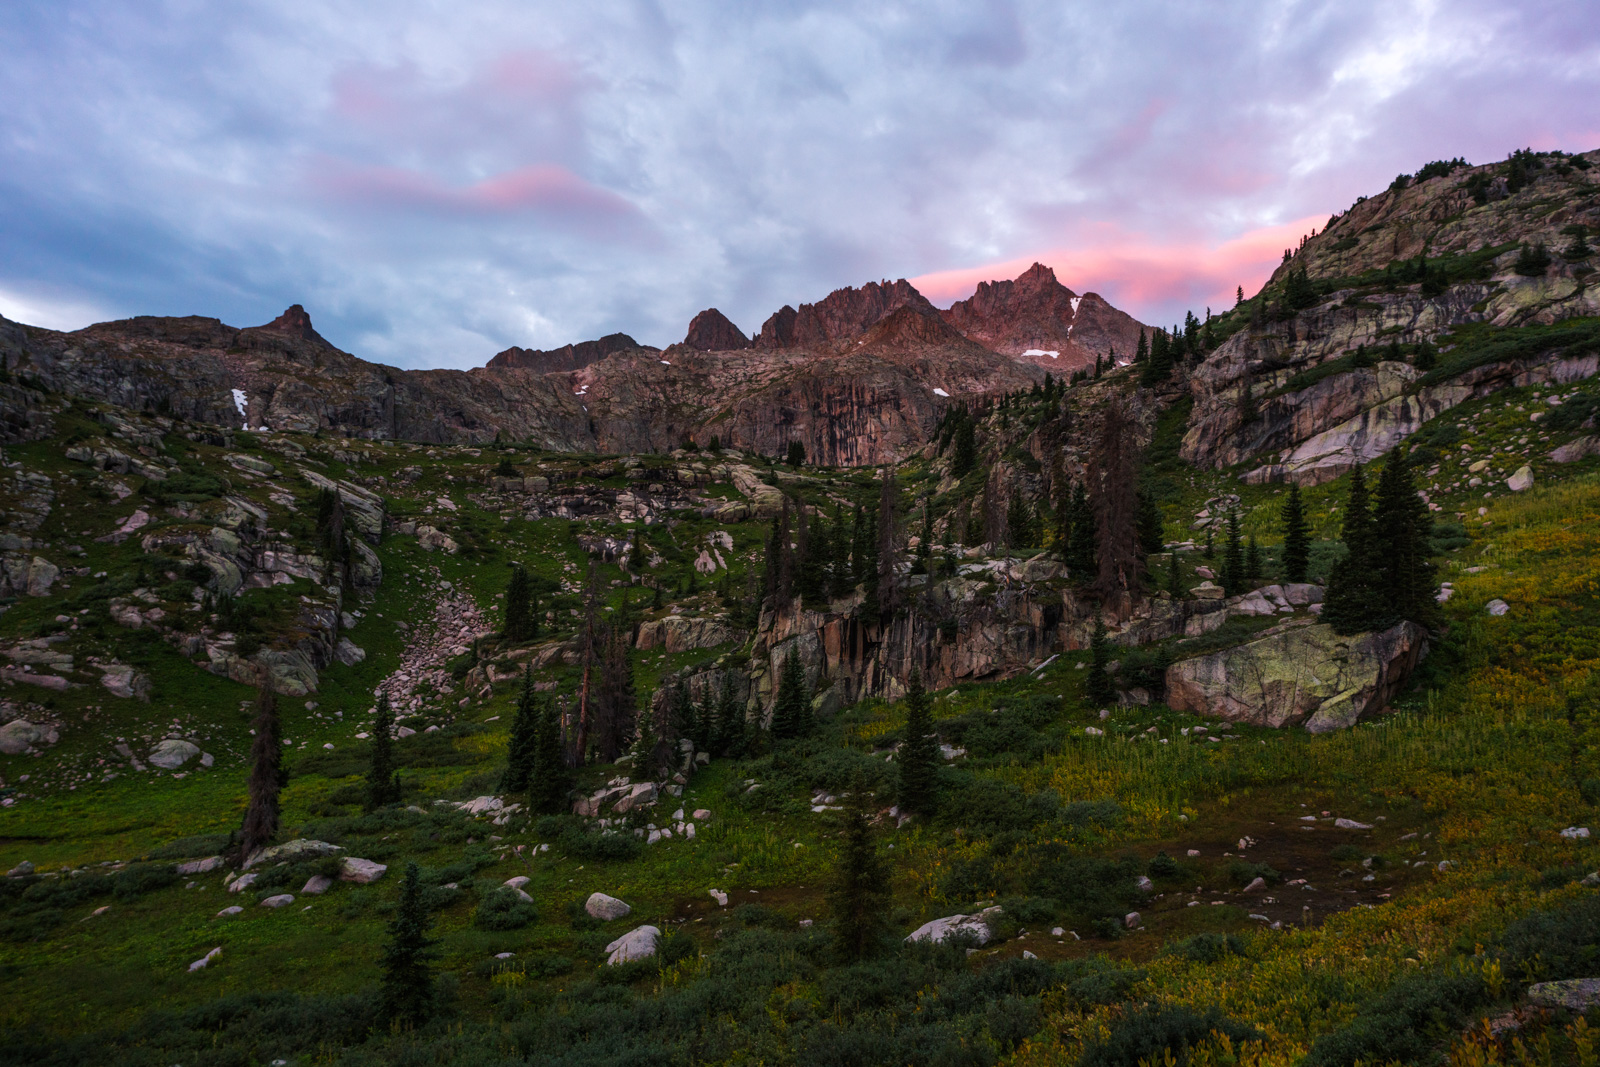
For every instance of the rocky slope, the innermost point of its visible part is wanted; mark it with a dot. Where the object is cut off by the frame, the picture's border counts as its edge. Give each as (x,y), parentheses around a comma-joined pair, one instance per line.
(565,358)
(1312,427)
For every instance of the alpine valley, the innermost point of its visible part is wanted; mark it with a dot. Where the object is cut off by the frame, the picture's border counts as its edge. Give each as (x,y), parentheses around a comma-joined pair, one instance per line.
(1014,682)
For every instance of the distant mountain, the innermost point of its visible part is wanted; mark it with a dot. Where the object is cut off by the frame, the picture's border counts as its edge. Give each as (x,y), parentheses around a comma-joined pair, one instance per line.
(1037,318)
(568,357)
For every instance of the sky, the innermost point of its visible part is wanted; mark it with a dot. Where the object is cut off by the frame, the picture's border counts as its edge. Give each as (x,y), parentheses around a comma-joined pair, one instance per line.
(436,181)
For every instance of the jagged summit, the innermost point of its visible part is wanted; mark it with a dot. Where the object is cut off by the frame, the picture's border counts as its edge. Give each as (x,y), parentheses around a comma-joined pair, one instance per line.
(1037,318)
(565,358)
(296,323)
(841,315)
(711,331)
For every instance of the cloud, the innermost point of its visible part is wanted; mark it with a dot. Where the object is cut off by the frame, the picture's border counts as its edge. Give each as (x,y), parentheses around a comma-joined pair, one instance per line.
(437,182)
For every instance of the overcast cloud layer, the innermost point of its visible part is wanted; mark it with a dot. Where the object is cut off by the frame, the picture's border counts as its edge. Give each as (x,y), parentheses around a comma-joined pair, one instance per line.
(436,181)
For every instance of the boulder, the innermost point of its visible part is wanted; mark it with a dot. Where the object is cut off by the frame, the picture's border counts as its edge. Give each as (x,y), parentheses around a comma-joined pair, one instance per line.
(316,885)
(18,736)
(243,882)
(1498,607)
(938,930)
(173,753)
(21,870)
(482,805)
(205,866)
(1208,591)
(1572,451)
(1522,479)
(41,575)
(278,900)
(603,907)
(360,871)
(679,633)
(637,944)
(127,683)
(293,851)
(1299,673)
(231,909)
(1575,994)
(348,652)
(200,964)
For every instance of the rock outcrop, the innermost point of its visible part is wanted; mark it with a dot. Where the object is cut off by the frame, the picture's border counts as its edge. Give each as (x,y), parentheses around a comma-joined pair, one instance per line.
(567,357)
(1299,673)
(841,315)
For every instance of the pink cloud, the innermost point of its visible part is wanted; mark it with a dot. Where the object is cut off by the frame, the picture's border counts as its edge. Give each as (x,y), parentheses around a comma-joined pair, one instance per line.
(1144,277)
(540,187)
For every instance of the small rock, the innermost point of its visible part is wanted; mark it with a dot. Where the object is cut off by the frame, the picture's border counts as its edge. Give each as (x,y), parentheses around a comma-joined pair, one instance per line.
(360,871)
(21,870)
(606,908)
(1351,824)
(634,945)
(1131,920)
(516,883)
(702,814)
(200,964)
(205,866)
(1143,884)
(243,882)
(1498,607)
(1028,955)
(231,909)
(504,955)
(317,884)
(1057,931)
(1256,885)
(720,897)
(278,901)
(1576,833)
(173,753)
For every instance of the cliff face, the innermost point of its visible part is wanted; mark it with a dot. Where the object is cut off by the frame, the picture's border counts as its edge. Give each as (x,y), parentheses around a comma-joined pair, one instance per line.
(1036,318)
(710,331)
(1315,431)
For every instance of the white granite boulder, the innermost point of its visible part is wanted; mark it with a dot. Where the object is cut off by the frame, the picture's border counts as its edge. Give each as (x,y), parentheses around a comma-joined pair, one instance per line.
(639,944)
(606,908)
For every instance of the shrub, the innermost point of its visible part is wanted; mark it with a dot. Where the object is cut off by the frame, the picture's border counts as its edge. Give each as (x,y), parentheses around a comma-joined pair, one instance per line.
(1557,943)
(503,909)
(1404,1024)
(1150,1031)
(1243,872)
(1206,948)
(1533,260)
(1163,867)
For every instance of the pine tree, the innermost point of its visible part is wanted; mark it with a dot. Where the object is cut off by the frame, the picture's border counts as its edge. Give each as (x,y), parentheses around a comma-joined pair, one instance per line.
(791,710)
(1233,559)
(331,534)
(1174,574)
(1099,687)
(729,719)
(965,456)
(519,625)
(1351,601)
(1402,529)
(616,704)
(407,990)
(918,758)
(1252,560)
(1209,551)
(548,780)
(1141,353)
(859,895)
(1019,520)
(383,781)
(524,728)
(888,585)
(811,581)
(1238,297)
(1082,553)
(1152,537)
(266,777)
(645,745)
(1157,368)
(1296,538)
(1113,481)
(1427,356)
(1248,412)
(784,559)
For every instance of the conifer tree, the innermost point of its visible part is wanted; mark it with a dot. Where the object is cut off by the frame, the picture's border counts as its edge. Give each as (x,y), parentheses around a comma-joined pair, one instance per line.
(616,702)
(645,743)
(520,752)
(859,896)
(1350,603)
(1402,529)
(1098,686)
(548,779)
(1209,551)
(858,547)
(407,992)
(266,777)
(812,580)
(519,625)
(888,586)
(784,559)
(383,781)
(1248,411)
(965,455)
(1152,537)
(791,710)
(730,722)
(1113,481)
(1427,356)
(1081,557)
(918,758)
(1296,538)
(1238,297)
(1141,353)
(1019,521)
(1233,559)
(1252,559)
(1157,368)
(1174,574)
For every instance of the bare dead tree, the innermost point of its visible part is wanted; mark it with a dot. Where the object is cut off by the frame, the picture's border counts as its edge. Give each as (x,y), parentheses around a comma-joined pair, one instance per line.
(1114,496)
(266,777)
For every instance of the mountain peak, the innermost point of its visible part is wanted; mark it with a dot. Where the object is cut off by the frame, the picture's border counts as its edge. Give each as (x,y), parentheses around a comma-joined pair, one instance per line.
(711,331)
(294,322)
(841,315)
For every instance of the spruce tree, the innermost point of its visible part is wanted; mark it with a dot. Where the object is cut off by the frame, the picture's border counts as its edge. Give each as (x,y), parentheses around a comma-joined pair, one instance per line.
(520,752)
(1252,560)
(888,587)
(1233,576)
(791,710)
(548,780)
(859,896)
(266,777)
(1402,529)
(1209,550)
(645,745)
(965,456)
(519,606)
(1019,520)
(1141,353)
(1350,604)
(1099,686)
(918,759)
(1152,538)
(1082,555)
(1296,538)
(383,781)
(1157,368)
(407,990)
(1174,575)
(729,718)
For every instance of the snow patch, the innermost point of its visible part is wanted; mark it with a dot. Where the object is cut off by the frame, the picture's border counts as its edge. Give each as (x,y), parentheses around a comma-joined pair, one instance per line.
(240,401)
(1074,301)
(939,392)
(665,363)
(1043,352)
